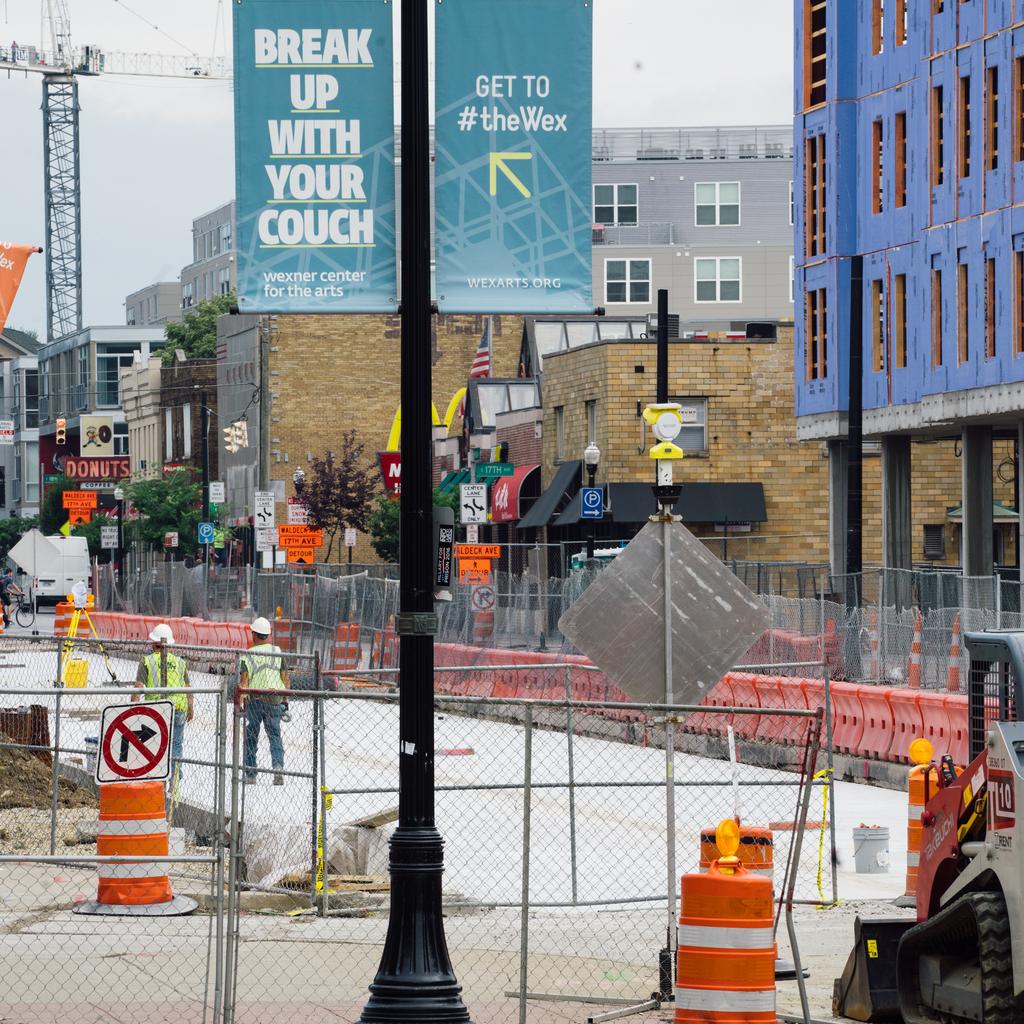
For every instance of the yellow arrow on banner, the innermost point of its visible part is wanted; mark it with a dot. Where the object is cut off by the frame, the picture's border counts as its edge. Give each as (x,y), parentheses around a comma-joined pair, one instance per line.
(498,161)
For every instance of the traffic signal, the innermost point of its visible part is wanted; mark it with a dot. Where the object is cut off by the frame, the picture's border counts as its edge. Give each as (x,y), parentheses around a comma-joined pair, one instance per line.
(62,431)
(236,436)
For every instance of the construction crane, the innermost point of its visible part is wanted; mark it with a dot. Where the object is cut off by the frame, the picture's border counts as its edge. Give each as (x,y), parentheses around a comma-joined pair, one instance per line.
(61,64)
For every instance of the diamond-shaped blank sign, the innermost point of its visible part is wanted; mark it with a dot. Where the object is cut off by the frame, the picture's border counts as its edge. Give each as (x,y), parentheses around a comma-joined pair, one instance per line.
(619,621)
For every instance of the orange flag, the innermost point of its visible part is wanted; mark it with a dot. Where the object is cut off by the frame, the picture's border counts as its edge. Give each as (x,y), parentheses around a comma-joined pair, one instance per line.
(12,266)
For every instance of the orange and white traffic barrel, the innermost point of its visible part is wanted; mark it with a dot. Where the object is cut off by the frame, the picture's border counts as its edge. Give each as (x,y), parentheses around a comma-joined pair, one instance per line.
(725,960)
(922,785)
(133,823)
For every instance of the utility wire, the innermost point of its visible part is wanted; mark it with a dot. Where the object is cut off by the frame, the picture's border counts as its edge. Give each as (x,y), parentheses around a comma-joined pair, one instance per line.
(177,42)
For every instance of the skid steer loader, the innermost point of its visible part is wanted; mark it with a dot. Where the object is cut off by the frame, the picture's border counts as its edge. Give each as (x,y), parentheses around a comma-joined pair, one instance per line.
(963,961)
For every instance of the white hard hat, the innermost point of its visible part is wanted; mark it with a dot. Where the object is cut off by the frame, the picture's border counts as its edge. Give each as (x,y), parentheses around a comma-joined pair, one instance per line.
(162,633)
(261,626)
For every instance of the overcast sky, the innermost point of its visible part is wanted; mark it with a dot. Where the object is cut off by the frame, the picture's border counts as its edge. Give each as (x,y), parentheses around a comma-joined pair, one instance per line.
(157,152)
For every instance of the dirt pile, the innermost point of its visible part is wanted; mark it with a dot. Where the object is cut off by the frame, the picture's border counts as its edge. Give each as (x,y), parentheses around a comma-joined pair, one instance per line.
(25,782)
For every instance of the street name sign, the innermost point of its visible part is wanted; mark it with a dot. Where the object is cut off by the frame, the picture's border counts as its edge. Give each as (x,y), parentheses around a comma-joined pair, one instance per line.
(135,742)
(295,536)
(513,222)
(315,156)
(493,470)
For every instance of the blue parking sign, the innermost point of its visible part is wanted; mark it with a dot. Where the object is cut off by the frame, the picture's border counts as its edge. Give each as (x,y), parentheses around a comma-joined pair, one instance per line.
(206,533)
(592,503)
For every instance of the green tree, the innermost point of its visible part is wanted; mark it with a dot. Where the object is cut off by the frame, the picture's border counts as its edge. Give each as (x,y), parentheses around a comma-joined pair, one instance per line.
(196,334)
(340,490)
(385,523)
(164,506)
(52,514)
(91,531)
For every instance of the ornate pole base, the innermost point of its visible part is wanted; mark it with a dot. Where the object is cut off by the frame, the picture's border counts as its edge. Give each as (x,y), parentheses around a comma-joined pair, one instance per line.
(415,983)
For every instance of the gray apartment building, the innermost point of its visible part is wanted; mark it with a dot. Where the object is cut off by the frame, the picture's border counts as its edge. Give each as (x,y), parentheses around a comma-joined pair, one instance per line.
(705,212)
(155,304)
(213,270)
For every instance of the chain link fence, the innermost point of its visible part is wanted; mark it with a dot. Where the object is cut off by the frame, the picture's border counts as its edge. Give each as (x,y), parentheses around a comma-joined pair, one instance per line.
(554,814)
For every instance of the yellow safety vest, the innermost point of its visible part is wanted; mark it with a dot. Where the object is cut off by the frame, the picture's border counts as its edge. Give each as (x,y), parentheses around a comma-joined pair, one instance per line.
(264,663)
(175,678)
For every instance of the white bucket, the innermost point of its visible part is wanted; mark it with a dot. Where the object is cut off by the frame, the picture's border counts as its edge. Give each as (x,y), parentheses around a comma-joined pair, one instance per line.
(871,850)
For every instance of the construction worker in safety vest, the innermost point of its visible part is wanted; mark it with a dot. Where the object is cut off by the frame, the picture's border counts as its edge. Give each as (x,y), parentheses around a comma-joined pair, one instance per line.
(262,668)
(150,674)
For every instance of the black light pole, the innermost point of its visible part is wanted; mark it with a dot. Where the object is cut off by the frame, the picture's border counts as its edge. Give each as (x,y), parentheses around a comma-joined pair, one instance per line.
(415,983)
(591,457)
(119,498)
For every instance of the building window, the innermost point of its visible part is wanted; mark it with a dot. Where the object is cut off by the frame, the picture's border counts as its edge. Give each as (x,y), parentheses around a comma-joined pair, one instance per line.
(992,118)
(877,166)
(899,356)
(224,280)
(120,438)
(694,435)
(900,188)
(108,373)
(130,316)
(792,210)
(965,127)
(877,326)
(82,396)
(900,20)
(559,432)
(615,204)
(1018,114)
(990,308)
(716,203)
(814,196)
(1018,306)
(938,137)
(963,348)
(934,541)
(627,281)
(792,274)
(938,6)
(591,408)
(187,295)
(31,399)
(877,26)
(168,435)
(717,279)
(31,471)
(815,51)
(816,315)
(936,317)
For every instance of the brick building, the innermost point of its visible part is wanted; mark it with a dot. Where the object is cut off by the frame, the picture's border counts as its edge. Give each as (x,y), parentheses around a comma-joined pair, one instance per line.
(183,385)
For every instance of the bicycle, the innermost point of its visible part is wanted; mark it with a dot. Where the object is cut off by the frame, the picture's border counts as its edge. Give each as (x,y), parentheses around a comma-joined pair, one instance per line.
(24,613)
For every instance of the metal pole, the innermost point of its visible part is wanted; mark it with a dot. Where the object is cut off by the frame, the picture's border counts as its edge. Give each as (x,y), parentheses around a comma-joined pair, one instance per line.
(415,980)
(218,849)
(120,544)
(204,419)
(572,782)
(56,772)
(524,910)
(234,844)
(318,785)
(670,752)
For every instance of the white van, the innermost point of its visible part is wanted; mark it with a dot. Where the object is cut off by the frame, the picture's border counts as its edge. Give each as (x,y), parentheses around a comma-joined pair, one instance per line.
(56,563)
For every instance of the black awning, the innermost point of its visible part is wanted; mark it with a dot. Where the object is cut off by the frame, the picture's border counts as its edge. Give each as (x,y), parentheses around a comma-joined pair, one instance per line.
(698,503)
(544,507)
(722,503)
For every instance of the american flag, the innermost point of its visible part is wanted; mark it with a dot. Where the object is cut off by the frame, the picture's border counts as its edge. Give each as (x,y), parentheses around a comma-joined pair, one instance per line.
(482,360)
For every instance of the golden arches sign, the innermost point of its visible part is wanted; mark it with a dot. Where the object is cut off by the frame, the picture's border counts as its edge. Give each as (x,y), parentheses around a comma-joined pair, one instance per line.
(395,437)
